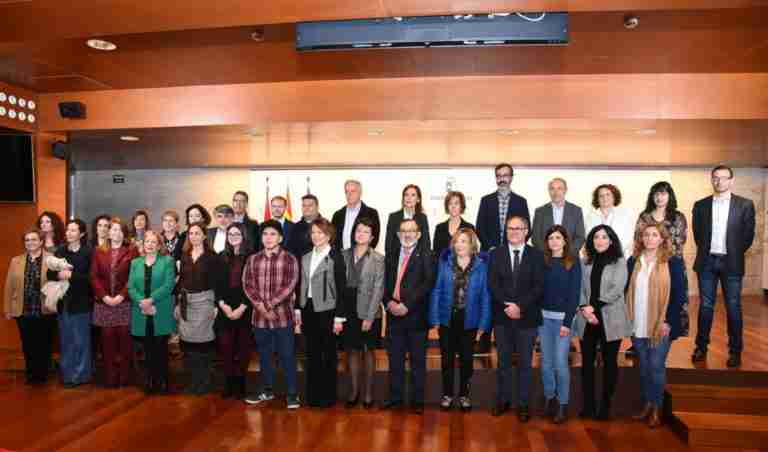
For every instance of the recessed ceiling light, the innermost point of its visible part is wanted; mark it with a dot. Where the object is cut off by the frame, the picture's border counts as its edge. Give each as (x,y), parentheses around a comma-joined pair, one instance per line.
(129,138)
(375,133)
(508,132)
(646,131)
(100,44)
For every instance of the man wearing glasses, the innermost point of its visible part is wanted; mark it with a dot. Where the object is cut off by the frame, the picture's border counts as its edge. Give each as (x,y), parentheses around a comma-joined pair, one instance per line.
(217,236)
(240,207)
(516,280)
(723,228)
(409,277)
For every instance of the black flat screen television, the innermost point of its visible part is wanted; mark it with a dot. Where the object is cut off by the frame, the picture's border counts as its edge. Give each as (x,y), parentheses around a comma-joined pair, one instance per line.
(17,168)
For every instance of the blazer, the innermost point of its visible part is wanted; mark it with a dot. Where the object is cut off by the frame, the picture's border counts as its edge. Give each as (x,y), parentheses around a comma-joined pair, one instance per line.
(614,310)
(677,294)
(163,282)
(417,281)
(442,237)
(392,240)
(288,226)
(477,312)
(370,287)
(79,297)
(525,286)
(739,237)
(573,222)
(101,271)
(488,218)
(233,296)
(340,216)
(13,293)
(251,227)
(300,242)
(328,283)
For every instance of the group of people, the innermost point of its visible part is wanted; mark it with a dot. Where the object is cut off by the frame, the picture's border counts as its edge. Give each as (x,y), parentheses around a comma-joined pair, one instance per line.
(238,284)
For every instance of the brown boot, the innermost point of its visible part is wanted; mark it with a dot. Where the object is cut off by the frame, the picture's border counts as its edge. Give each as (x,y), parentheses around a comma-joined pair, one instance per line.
(645,413)
(654,420)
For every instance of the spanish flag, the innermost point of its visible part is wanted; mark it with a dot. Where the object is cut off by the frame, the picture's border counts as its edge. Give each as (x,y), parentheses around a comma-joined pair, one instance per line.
(288,214)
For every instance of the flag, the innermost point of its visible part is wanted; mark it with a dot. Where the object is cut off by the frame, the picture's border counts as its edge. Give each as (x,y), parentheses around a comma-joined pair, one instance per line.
(288,214)
(267,207)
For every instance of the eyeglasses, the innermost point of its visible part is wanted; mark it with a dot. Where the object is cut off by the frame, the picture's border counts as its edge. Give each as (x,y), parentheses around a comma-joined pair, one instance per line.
(723,178)
(234,234)
(516,229)
(409,231)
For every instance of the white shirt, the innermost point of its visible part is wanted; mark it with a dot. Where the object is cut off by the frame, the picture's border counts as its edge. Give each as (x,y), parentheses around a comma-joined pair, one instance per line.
(317,257)
(220,242)
(721,205)
(620,220)
(407,216)
(557,214)
(641,297)
(512,249)
(238,218)
(349,223)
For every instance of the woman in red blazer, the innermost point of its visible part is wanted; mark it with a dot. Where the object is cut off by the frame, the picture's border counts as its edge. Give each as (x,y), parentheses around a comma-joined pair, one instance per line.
(110,267)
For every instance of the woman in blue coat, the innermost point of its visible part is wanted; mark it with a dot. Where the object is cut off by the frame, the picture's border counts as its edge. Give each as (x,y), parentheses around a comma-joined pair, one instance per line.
(460,306)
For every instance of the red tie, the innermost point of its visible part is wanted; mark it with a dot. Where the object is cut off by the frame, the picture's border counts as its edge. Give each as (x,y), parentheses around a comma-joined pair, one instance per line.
(401,273)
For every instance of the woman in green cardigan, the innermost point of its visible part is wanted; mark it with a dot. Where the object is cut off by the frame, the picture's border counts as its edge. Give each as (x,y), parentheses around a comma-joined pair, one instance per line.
(150,284)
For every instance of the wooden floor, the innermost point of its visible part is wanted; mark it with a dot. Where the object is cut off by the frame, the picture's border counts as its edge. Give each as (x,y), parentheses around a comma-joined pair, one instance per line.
(92,418)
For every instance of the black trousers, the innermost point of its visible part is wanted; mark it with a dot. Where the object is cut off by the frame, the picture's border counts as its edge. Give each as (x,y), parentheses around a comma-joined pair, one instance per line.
(455,339)
(594,335)
(37,343)
(411,341)
(155,353)
(321,355)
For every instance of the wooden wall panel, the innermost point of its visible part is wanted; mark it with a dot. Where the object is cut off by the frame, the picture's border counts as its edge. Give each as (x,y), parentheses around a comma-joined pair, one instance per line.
(650,96)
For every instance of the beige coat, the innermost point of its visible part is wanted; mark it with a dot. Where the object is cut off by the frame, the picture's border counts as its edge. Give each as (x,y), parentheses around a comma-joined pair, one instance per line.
(13,295)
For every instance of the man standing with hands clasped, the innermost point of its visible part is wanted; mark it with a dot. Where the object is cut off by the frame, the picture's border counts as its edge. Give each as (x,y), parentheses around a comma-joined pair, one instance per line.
(516,279)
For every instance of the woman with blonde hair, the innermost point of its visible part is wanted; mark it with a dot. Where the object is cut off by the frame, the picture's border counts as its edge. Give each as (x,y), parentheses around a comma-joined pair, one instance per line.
(459,307)
(654,296)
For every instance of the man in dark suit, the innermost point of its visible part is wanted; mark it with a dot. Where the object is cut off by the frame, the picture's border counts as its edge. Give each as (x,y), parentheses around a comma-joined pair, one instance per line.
(240,206)
(723,228)
(408,279)
(497,207)
(561,212)
(277,208)
(344,218)
(516,280)
(300,242)
(217,236)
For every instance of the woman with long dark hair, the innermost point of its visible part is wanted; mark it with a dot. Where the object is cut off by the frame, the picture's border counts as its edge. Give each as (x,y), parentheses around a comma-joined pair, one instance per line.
(52,227)
(602,321)
(411,202)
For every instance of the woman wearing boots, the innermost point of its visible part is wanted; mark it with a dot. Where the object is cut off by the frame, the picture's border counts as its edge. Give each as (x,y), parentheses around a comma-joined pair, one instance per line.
(150,285)
(323,280)
(233,324)
(655,296)
(198,290)
(460,306)
(364,291)
(603,316)
(562,287)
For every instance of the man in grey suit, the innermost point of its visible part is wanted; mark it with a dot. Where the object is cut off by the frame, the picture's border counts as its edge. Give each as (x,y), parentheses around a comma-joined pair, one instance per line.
(561,212)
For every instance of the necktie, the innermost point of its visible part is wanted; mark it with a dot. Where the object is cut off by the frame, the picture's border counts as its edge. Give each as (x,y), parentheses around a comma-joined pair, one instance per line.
(517,261)
(401,273)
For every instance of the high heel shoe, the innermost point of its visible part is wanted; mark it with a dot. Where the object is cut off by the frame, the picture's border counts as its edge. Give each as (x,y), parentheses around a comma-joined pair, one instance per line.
(352,403)
(368,404)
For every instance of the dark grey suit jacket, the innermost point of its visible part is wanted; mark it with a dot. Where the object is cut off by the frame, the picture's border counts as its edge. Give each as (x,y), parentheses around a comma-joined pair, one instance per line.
(738,238)
(573,222)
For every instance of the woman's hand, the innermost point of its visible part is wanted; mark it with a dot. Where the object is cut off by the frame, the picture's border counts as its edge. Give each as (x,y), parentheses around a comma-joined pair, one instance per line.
(338,327)
(565,331)
(665,329)
(177,313)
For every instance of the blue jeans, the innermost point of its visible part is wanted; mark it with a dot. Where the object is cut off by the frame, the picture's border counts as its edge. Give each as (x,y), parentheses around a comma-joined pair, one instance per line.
(555,374)
(652,363)
(266,340)
(713,272)
(507,338)
(75,344)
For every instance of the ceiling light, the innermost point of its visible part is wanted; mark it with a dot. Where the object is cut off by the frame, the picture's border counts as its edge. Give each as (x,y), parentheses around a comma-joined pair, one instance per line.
(258,35)
(129,138)
(100,44)
(508,132)
(375,133)
(646,131)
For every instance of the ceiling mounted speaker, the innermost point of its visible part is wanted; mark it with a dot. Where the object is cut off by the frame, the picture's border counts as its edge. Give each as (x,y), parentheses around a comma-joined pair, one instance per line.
(60,150)
(72,110)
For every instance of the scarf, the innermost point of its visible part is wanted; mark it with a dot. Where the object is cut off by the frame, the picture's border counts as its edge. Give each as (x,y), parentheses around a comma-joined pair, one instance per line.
(658,298)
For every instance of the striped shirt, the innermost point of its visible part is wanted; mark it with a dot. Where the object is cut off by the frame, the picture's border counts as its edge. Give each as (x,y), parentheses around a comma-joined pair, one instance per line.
(269,282)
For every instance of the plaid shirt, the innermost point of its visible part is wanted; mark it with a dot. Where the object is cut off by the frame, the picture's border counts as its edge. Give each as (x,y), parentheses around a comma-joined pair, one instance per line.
(503,207)
(269,282)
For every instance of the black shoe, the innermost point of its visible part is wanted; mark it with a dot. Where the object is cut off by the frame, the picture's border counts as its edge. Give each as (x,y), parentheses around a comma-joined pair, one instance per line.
(391,404)
(587,412)
(239,388)
(604,413)
(368,405)
(562,414)
(417,408)
(501,408)
(550,407)
(161,386)
(523,414)
(699,355)
(734,360)
(149,386)
(352,403)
